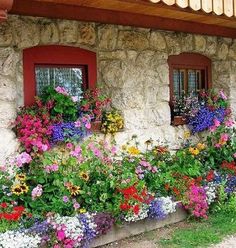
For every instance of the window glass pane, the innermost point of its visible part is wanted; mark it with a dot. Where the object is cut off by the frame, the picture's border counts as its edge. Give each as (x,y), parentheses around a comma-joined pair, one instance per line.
(192,81)
(71,78)
(176,83)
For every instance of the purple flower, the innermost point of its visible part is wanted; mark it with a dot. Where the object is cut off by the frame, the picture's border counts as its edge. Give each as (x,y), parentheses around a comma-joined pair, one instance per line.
(65,199)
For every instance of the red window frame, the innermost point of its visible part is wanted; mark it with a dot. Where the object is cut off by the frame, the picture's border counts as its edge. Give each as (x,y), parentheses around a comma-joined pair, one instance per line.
(189,61)
(55,55)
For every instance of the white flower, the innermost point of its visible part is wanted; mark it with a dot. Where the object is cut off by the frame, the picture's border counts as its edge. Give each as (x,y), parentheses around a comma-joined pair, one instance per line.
(143,214)
(168,205)
(13,239)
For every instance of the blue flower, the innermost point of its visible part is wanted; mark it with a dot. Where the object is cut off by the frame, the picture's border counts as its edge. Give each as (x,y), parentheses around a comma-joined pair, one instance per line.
(156,210)
(205,119)
(67,131)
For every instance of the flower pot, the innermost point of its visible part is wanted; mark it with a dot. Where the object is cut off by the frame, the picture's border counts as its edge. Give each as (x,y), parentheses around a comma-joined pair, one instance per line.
(96,126)
(178,120)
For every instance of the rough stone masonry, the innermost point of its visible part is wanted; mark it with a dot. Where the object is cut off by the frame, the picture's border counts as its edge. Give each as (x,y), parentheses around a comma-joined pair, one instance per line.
(132,65)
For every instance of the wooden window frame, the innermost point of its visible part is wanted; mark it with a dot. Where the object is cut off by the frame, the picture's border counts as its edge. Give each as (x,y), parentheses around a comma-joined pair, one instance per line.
(55,55)
(189,61)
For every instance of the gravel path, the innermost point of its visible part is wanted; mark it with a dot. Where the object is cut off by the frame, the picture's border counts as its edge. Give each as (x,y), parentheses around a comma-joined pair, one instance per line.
(229,242)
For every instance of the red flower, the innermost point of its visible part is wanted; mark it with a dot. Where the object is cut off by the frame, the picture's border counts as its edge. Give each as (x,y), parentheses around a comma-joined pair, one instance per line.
(176,191)
(210,176)
(136,209)
(125,206)
(19,209)
(3,205)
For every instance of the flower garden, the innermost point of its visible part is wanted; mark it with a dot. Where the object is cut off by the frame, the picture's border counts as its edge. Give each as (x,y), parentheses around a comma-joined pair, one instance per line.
(66,187)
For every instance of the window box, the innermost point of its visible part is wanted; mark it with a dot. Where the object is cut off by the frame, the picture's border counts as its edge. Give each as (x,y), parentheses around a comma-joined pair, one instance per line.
(96,126)
(179,120)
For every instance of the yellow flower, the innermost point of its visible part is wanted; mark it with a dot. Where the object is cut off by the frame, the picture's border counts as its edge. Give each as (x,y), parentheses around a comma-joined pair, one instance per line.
(201,146)
(82,210)
(24,187)
(194,151)
(16,189)
(74,190)
(84,176)
(186,134)
(20,177)
(133,150)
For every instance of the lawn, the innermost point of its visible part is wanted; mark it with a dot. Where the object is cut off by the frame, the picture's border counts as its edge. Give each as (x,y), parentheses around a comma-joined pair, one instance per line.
(202,234)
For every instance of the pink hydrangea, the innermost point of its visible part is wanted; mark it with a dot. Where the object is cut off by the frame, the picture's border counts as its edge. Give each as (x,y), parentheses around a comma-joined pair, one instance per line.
(37,192)
(23,158)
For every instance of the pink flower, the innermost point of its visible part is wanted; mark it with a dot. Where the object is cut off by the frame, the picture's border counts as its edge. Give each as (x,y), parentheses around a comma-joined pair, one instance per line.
(23,158)
(97,153)
(222,95)
(224,138)
(229,123)
(154,169)
(212,128)
(54,167)
(234,155)
(61,235)
(88,125)
(76,205)
(61,90)
(113,150)
(44,148)
(216,123)
(57,246)
(218,145)
(65,199)
(69,145)
(74,98)
(37,192)
(78,123)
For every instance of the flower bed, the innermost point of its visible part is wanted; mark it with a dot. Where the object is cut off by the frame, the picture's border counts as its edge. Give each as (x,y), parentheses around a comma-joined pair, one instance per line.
(63,191)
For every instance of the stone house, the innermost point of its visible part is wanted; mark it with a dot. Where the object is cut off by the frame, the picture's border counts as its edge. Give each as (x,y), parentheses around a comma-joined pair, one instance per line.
(140,50)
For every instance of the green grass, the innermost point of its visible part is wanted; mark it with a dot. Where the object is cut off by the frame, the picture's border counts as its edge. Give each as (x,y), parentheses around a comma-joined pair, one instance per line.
(203,234)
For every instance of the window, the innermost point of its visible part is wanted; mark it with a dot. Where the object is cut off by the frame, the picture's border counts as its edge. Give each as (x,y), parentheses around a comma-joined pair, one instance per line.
(70,67)
(189,73)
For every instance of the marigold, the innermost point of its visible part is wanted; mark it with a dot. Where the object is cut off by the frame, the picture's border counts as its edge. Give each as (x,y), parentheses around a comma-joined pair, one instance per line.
(194,151)
(132,150)
(201,146)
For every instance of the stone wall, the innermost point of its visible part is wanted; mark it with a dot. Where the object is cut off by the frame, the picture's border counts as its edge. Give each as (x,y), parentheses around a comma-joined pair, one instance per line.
(132,64)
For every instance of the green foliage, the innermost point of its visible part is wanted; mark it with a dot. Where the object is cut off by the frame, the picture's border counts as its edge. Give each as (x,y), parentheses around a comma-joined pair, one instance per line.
(62,104)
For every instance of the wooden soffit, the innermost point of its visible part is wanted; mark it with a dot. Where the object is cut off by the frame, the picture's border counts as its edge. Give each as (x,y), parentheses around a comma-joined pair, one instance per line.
(193,16)
(218,7)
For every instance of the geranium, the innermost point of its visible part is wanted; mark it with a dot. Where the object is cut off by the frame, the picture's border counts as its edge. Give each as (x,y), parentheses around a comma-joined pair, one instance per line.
(10,212)
(34,130)
(93,103)
(197,202)
(23,158)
